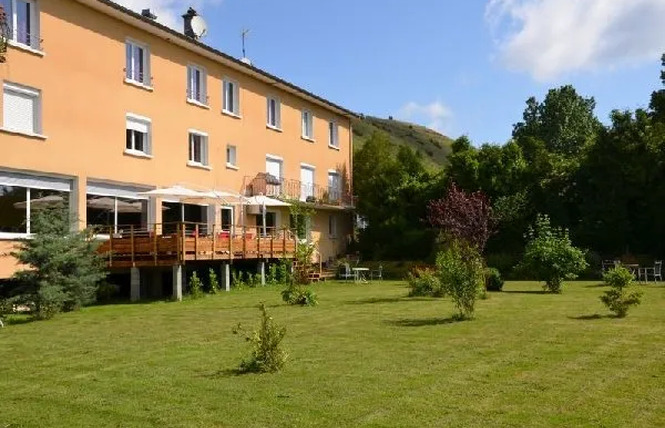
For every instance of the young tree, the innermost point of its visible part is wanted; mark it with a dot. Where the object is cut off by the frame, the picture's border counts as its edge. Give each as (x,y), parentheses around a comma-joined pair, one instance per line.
(462,216)
(63,267)
(550,255)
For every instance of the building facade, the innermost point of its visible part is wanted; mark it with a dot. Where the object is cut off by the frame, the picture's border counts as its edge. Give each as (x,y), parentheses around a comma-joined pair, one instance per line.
(101,105)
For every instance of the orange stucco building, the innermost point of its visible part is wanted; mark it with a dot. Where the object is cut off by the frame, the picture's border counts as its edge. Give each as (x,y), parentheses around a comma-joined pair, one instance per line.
(101,105)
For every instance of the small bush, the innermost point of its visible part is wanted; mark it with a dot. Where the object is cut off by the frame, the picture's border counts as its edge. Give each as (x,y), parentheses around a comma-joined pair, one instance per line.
(295,294)
(195,286)
(272,278)
(618,299)
(424,282)
(236,279)
(551,256)
(213,281)
(460,271)
(267,355)
(493,280)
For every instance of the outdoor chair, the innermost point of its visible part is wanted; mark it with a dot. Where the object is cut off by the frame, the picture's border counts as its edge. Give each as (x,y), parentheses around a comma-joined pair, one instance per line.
(377,273)
(346,272)
(655,271)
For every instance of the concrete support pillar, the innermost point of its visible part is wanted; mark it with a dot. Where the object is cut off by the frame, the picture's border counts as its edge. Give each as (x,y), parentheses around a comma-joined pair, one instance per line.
(226,276)
(178,274)
(262,271)
(135,284)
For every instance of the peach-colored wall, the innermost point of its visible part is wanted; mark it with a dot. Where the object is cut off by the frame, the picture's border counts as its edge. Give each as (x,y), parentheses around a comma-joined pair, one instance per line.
(85,100)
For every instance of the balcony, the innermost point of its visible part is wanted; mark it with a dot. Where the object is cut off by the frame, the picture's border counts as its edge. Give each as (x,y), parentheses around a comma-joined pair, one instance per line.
(287,189)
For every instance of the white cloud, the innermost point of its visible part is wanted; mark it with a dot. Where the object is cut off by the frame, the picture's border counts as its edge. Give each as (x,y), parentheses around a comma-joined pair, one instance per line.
(550,38)
(434,115)
(169,12)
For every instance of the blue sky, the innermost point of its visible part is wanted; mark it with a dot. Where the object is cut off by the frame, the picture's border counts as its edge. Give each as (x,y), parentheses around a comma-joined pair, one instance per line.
(461,67)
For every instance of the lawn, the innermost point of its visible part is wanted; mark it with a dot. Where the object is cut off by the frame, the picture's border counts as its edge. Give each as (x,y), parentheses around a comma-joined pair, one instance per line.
(366,356)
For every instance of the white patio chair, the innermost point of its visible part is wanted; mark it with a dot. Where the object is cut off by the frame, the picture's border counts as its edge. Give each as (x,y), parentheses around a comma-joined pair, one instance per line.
(346,272)
(655,272)
(377,273)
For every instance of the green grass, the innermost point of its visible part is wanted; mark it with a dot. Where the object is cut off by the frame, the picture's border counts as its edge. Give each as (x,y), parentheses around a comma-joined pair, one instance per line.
(366,356)
(433,146)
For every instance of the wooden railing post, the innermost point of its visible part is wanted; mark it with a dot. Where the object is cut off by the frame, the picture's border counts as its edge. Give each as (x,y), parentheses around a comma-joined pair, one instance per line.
(272,246)
(154,242)
(196,241)
(258,243)
(244,243)
(131,238)
(183,235)
(111,247)
(284,243)
(214,237)
(231,234)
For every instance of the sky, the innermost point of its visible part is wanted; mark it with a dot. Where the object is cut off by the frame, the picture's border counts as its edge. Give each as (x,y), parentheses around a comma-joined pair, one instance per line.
(459,67)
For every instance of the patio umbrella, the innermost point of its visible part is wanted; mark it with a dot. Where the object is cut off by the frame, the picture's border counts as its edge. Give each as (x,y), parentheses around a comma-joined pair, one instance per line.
(178,192)
(264,201)
(46,201)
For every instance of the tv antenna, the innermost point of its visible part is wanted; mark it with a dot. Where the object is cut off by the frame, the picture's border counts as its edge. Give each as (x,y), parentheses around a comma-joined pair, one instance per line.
(244,34)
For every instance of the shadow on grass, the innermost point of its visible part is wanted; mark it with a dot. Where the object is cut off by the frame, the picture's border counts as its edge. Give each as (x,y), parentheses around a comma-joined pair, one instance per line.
(224,373)
(423,322)
(388,300)
(526,292)
(599,285)
(591,317)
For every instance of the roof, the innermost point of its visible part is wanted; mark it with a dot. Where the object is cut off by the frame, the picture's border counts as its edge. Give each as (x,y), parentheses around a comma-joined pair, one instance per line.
(140,21)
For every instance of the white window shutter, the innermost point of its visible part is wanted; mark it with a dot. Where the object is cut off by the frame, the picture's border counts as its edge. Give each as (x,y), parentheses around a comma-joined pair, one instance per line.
(20,111)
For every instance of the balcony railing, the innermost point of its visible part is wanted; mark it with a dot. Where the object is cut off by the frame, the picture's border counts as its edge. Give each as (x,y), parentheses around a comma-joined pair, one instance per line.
(282,188)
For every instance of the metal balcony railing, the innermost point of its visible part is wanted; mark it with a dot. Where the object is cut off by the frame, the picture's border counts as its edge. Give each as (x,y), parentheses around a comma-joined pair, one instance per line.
(283,188)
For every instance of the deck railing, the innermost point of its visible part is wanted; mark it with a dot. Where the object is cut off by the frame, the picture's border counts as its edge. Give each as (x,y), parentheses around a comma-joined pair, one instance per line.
(176,243)
(283,188)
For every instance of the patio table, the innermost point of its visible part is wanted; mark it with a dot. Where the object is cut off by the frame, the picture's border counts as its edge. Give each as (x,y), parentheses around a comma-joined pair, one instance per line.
(360,274)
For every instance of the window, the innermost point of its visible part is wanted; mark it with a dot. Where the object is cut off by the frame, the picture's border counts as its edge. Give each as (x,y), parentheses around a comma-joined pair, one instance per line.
(23,21)
(333,134)
(19,202)
(196,84)
(307,125)
(231,156)
(274,113)
(21,109)
(227,218)
(231,97)
(332,226)
(192,214)
(137,139)
(274,167)
(137,66)
(198,148)
(306,182)
(334,187)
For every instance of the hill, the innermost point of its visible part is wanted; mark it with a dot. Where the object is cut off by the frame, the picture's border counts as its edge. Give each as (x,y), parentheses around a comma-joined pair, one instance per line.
(433,147)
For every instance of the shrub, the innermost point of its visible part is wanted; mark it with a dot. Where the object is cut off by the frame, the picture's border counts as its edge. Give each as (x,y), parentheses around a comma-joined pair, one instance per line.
(551,256)
(424,282)
(267,355)
(236,279)
(295,294)
(213,281)
(460,271)
(195,286)
(272,278)
(618,299)
(493,281)
(63,268)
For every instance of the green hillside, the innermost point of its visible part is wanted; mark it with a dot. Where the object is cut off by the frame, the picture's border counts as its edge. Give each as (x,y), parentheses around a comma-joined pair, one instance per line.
(433,146)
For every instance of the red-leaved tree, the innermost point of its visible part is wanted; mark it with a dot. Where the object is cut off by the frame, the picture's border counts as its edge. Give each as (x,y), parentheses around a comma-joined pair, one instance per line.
(463,216)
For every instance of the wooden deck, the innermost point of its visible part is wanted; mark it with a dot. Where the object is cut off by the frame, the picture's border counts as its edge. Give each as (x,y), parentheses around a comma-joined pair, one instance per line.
(140,248)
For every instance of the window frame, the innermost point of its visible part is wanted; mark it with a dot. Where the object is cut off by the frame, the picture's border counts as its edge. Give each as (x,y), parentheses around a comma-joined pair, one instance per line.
(34,17)
(277,119)
(36,95)
(307,124)
(333,134)
(147,149)
(232,161)
(221,218)
(204,155)
(235,112)
(29,208)
(338,189)
(132,45)
(203,84)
